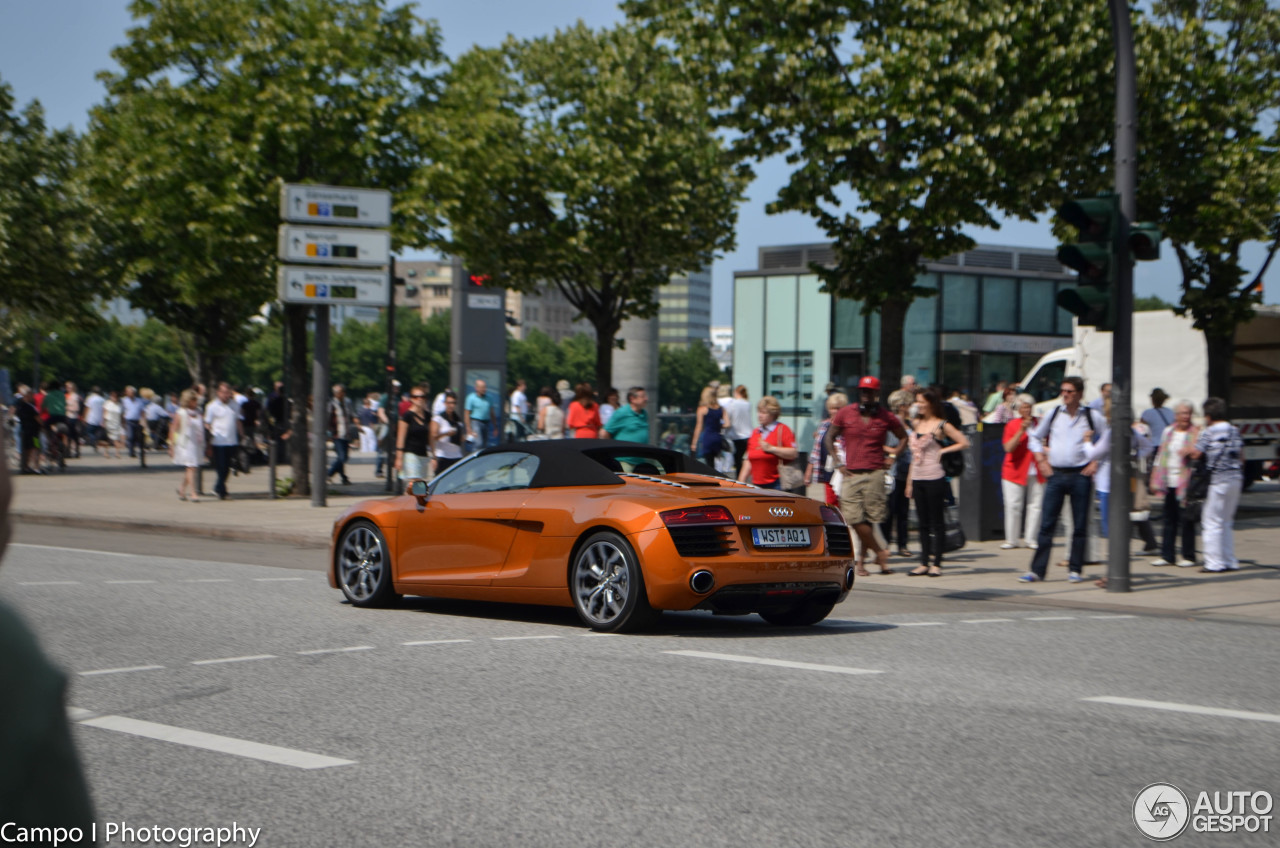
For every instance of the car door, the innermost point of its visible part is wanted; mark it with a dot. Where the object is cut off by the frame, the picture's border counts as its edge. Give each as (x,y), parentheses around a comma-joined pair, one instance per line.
(462,534)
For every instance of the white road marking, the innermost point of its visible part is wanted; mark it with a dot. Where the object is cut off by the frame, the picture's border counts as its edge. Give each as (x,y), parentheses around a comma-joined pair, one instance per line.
(520,638)
(835,669)
(77,714)
(985,620)
(120,670)
(209,580)
(437,642)
(1051,618)
(213,742)
(235,659)
(920,623)
(276,579)
(50,583)
(72,550)
(126,582)
(1113,616)
(599,634)
(337,650)
(1185,708)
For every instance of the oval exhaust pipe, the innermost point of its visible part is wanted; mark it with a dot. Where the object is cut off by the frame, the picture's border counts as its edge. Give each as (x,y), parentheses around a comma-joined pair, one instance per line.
(702,582)
(848,578)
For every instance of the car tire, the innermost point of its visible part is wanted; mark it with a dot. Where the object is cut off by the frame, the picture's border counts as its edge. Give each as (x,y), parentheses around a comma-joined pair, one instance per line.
(800,615)
(607,585)
(364,566)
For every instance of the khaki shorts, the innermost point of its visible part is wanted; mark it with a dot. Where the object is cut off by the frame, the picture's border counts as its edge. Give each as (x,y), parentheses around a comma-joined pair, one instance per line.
(863,498)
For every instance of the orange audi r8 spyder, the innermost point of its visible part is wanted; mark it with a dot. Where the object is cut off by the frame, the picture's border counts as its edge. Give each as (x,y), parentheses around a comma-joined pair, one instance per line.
(617,530)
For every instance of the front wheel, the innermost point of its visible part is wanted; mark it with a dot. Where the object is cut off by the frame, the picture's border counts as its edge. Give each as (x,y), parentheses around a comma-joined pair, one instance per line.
(364,566)
(608,586)
(800,615)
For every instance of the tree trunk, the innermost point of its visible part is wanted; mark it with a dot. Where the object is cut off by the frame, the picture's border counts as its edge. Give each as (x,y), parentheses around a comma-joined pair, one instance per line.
(1221,350)
(893,317)
(605,335)
(296,315)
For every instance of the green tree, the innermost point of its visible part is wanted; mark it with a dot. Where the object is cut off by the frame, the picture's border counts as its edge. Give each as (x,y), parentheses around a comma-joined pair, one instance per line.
(108,354)
(44,281)
(217,102)
(683,372)
(1150,304)
(1209,155)
(905,122)
(585,161)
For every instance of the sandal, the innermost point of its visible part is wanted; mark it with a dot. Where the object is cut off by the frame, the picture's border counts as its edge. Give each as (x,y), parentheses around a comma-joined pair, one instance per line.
(935,571)
(918,572)
(886,571)
(862,571)
(181,496)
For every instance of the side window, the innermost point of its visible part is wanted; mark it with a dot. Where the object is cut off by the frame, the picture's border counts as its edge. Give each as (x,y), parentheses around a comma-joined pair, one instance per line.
(494,472)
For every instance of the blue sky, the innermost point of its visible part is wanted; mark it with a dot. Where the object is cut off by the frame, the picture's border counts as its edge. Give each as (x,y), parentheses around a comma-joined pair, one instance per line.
(50,50)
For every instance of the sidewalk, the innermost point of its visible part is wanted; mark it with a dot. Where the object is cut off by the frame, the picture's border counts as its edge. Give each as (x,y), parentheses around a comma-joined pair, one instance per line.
(119,495)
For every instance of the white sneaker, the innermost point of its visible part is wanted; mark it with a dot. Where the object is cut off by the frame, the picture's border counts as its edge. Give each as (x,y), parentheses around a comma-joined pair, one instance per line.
(1033,545)
(1161,561)
(1008,546)
(1184,563)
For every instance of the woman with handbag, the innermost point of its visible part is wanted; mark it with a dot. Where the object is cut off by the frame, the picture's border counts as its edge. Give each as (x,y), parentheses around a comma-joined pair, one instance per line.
(770,443)
(1169,478)
(707,440)
(1223,451)
(186,444)
(926,481)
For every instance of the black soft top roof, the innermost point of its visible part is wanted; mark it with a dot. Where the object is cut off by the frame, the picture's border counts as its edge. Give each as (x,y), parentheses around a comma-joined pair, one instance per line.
(594,462)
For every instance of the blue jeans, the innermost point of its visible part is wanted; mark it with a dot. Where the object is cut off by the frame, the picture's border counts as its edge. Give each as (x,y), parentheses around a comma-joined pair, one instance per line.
(341,447)
(481,441)
(1057,489)
(222,464)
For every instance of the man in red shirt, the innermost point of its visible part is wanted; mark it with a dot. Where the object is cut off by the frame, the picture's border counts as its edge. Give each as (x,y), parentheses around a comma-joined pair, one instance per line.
(864,427)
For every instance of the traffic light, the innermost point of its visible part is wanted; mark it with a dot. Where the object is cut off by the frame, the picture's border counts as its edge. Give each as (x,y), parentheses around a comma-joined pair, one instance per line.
(1144,241)
(1097,219)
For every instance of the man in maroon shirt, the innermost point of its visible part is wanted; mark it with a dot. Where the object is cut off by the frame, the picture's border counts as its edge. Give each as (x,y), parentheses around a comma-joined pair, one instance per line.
(864,428)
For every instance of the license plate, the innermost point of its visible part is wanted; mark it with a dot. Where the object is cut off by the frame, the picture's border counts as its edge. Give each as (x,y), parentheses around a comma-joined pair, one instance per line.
(780,537)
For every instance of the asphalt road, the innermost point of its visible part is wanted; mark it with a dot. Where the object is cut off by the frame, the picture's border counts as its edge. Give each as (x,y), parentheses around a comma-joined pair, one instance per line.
(902,720)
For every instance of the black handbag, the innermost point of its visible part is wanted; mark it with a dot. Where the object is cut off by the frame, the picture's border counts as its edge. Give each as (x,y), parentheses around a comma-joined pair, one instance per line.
(953,534)
(953,462)
(1197,490)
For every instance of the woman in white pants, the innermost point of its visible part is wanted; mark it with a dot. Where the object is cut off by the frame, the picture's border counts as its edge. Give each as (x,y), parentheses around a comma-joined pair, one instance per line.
(1223,448)
(1019,482)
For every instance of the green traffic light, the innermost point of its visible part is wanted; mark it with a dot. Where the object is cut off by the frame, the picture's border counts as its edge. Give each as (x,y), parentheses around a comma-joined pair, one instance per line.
(1092,261)
(1144,241)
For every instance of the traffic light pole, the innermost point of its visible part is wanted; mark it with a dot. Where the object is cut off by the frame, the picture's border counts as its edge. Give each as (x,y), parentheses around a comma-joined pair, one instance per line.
(392,409)
(1126,149)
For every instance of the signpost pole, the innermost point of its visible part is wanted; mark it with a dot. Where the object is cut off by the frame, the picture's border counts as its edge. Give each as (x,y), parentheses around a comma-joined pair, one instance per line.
(393,402)
(319,406)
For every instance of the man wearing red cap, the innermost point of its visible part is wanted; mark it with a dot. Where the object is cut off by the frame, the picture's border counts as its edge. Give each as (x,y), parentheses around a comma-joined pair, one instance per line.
(864,428)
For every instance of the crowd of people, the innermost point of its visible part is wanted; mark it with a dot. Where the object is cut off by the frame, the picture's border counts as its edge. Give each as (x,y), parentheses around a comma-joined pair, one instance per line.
(873,461)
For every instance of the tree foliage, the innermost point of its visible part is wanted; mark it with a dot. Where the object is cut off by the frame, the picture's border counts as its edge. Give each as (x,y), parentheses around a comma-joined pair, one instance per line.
(588,161)
(44,279)
(683,372)
(1209,154)
(217,103)
(541,362)
(904,122)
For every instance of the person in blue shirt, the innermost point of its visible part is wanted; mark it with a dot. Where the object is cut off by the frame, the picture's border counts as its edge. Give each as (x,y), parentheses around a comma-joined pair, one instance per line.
(477,415)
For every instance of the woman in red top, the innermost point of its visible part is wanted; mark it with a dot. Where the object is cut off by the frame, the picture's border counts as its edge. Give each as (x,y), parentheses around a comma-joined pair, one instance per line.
(584,413)
(769,442)
(1019,481)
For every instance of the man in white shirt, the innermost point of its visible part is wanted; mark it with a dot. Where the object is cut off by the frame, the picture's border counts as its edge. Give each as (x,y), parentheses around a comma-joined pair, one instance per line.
(222,418)
(519,411)
(93,417)
(1060,443)
(740,424)
(132,406)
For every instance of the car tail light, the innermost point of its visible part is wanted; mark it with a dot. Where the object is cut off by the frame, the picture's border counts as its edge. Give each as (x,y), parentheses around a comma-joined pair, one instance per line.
(696,515)
(831,516)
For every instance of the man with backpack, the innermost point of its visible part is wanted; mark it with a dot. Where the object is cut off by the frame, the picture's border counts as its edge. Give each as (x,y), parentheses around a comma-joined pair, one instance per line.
(1059,443)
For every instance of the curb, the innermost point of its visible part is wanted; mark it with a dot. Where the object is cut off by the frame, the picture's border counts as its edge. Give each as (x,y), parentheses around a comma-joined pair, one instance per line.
(172,529)
(1064,603)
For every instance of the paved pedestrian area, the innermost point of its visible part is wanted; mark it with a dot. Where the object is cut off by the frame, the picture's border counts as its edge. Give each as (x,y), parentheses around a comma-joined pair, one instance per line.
(120,495)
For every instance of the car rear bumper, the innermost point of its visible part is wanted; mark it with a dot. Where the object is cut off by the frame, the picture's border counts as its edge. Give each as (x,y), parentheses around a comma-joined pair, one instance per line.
(741,582)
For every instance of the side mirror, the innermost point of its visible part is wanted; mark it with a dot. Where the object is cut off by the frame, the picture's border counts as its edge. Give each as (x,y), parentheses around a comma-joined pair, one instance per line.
(417,488)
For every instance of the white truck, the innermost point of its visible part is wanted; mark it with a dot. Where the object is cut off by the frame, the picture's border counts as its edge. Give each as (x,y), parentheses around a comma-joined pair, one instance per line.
(1169,353)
